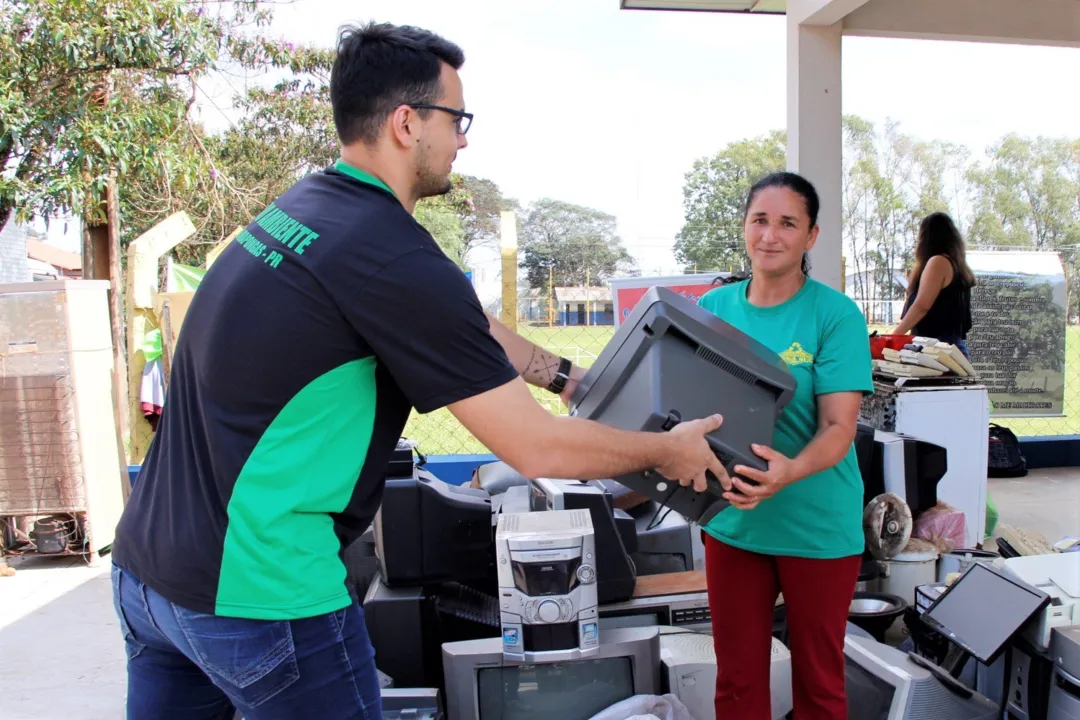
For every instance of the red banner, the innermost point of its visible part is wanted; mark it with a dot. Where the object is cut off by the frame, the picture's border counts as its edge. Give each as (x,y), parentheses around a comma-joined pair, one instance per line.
(628,293)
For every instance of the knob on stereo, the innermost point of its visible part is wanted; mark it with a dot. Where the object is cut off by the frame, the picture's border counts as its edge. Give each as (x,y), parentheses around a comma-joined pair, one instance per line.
(586,574)
(549,611)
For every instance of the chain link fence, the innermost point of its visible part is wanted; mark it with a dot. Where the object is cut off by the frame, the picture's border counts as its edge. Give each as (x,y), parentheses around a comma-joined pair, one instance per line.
(578,322)
(577,334)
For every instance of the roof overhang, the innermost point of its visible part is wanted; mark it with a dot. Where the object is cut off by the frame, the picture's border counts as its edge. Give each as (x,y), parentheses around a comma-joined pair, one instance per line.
(763,7)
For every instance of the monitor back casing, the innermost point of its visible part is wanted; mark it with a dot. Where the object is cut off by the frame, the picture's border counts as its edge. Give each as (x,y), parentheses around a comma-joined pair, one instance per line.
(674,359)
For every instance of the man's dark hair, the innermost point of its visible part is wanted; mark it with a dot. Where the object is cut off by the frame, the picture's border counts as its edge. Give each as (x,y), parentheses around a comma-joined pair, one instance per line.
(380,67)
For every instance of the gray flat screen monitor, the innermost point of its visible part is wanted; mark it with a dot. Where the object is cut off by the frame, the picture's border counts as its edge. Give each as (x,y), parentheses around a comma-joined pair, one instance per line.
(983,609)
(672,360)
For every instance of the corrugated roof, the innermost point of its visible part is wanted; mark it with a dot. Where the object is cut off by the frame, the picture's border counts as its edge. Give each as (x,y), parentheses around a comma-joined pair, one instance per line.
(581,294)
(734,6)
(62,259)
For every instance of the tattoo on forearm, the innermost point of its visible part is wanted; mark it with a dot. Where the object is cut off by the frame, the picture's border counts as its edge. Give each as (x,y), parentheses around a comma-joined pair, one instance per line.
(525,370)
(545,368)
(541,367)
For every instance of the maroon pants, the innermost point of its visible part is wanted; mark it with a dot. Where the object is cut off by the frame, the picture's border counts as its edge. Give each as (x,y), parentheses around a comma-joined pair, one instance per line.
(743,588)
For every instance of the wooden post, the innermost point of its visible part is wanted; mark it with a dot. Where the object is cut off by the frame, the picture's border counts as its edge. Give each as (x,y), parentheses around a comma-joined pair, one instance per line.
(508,237)
(101,261)
(167,341)
(144,257)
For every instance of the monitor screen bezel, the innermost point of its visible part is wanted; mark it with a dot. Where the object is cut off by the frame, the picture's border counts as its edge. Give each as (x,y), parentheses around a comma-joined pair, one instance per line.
(901,677)
(463,660)
(950,635)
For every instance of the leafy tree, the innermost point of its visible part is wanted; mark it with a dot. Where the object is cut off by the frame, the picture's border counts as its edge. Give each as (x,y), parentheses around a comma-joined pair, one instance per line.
(714,193)
(570,245)
(92,87)
(482,218)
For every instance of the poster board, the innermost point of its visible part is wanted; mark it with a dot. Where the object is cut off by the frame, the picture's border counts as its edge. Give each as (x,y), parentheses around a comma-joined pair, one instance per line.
(626,292)
(1017,339)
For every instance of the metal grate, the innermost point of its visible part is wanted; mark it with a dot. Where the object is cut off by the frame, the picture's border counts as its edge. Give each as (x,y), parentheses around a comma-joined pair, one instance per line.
(726,365)
(40,463)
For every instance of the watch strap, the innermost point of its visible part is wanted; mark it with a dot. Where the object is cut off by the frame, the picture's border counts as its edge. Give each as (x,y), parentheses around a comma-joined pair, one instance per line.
(562,376)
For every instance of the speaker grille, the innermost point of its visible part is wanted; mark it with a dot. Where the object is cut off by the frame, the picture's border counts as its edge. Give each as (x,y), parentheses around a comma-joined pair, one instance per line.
(726,365)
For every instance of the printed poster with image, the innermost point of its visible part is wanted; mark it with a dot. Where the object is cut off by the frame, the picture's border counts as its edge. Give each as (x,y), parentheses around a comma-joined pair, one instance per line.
(1017,339)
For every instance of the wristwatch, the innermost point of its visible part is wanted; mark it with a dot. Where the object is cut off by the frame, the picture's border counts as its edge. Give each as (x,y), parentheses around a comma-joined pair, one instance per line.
(562,376)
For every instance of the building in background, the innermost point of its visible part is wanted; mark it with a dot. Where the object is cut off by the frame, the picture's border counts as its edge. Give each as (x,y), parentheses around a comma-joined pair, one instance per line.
(48,262)
(584,306)
(13,261)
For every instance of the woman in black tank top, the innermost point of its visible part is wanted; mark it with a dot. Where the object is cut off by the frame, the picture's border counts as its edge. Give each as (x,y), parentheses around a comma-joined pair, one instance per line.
(938,301)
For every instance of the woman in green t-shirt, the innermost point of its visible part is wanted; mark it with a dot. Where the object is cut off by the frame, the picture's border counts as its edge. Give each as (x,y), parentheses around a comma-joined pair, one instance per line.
(797,528)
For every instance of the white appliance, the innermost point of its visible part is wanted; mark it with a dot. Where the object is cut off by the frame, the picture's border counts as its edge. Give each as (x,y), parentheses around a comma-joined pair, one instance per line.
(547,585)
(1057,575)
(1065,693)
(955,417)
(60,455)
(908,570)
(690,671)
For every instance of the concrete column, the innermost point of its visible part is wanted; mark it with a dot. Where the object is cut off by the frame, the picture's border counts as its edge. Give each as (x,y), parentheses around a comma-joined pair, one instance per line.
(815,134)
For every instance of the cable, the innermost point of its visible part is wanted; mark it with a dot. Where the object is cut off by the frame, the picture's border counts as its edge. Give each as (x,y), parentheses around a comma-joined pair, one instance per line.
(653,523)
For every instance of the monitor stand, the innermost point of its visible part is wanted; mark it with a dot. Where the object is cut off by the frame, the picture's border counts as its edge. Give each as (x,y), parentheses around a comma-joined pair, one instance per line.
(955,660)
(947,675)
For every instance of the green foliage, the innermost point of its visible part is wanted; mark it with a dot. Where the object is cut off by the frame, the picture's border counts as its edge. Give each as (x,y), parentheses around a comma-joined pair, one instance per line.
(570,245)
(91,87)
(445,218)
(1024,196)
(483,217)
(714,193)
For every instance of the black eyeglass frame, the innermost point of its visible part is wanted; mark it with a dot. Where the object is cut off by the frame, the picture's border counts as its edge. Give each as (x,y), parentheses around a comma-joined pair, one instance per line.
(461,115)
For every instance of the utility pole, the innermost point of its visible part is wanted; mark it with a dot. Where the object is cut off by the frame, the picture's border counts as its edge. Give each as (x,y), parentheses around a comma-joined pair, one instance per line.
(551,294)
(101,261)
(509,251)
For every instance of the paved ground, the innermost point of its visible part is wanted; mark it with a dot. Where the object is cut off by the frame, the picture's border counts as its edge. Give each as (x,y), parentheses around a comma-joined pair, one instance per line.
(61,656)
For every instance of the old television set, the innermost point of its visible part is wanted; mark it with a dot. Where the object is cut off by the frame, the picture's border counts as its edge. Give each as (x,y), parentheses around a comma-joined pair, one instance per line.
(429,532)
(672,360)
(907,467)
(481,684)
(884,683)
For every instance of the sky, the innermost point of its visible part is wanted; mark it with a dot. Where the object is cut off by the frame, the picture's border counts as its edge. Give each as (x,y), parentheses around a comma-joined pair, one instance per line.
(580,101)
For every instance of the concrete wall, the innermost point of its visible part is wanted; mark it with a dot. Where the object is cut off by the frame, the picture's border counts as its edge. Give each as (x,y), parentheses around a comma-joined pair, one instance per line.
(13,266)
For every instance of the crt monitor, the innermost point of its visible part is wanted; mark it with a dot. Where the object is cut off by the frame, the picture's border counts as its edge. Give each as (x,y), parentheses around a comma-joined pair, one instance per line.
(483,685)
(672,360)
(428,532)
(982,611)
(883,683)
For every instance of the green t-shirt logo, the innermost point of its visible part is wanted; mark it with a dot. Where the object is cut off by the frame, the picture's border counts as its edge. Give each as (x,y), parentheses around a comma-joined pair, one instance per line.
(795,355)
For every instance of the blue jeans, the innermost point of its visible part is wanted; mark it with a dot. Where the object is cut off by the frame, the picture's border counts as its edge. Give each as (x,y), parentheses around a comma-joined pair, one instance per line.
(192,666)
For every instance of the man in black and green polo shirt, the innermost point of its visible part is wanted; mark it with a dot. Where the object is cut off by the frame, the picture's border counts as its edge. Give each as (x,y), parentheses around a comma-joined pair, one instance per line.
(305,348)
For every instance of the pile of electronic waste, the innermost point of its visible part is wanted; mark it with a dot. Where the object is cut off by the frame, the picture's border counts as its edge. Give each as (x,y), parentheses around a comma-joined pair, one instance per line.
(541,598)
(918,357)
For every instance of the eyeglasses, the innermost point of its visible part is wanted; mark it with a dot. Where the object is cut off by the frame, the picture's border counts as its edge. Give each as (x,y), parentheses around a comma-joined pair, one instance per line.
(464,119)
